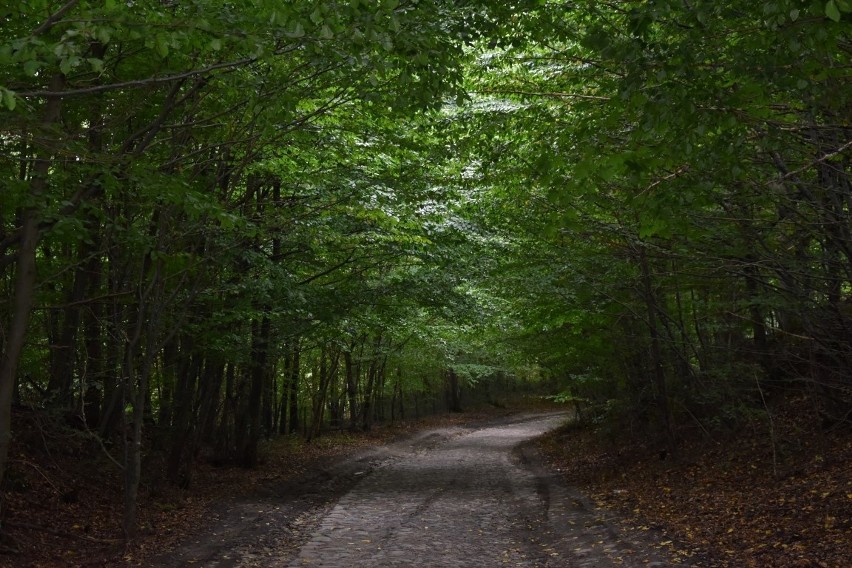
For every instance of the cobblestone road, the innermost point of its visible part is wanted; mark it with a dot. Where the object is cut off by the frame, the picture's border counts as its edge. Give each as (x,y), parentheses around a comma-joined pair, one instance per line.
(469,502)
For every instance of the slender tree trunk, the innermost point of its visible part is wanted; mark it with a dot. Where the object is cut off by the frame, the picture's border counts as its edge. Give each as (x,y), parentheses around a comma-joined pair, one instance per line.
(367,404)
(94,357)
(268,405)
(318,398)
(225,438)
(758,322)
(334,406)
(63,350)
(351,388)
(211,395)
(293,387)
(659,372)
(257,375)
(401,395)
(25,278)
(270,411)
(137,387)
(285,388)
(182,424)
(453,398)
(113,386)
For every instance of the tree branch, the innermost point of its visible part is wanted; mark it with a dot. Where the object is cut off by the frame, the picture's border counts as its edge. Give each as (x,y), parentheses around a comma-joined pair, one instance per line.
(135,83)
(817,161)
(54,18)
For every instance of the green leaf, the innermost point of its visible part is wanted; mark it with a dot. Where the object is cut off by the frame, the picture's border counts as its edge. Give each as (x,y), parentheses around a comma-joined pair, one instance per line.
(832,11)
(103,34)
(298,31)
(162,46)
(216,44)
(66,65)
(9,99)
(97,64)
(31,67)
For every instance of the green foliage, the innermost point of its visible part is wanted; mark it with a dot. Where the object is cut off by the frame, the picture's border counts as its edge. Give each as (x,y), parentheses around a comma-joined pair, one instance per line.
(630,205)
(649,171)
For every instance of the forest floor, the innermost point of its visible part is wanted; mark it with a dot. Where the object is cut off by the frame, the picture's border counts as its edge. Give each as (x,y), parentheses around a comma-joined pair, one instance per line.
(732,501)
(773,494)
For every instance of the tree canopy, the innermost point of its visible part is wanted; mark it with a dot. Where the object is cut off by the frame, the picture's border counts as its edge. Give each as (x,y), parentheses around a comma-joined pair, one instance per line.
(221,222)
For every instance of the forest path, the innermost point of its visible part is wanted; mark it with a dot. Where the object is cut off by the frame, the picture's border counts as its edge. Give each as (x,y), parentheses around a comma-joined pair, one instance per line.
(450,497)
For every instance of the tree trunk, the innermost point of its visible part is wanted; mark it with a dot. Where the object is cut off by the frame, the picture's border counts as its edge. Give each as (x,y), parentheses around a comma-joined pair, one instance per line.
(210,396)
(182,423)
(137,387)
(63,350)
(93,388)
(285,389)
(293,387)
(659,372)
(25,278)
(225,438)
(257,376)
(351,388)
(453,395)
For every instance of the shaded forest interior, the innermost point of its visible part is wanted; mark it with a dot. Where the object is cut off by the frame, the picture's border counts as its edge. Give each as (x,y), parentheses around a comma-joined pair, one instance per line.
(226,223)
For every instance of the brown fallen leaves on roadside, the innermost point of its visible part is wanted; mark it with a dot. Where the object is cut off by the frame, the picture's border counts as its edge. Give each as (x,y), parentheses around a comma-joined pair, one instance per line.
(730,501)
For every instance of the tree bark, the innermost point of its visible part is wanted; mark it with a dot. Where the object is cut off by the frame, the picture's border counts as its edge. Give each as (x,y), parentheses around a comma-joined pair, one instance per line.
(293,388)
(453,398)
(25,278)
(257,376)
(351,388)
(94,376)
(659,372)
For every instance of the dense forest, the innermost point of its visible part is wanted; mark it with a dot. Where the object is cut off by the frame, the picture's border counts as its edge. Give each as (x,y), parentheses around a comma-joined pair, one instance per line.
(226,221)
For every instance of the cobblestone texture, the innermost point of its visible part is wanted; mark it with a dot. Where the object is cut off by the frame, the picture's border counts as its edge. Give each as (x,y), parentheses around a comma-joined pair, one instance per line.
(468,503)
(449,498)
